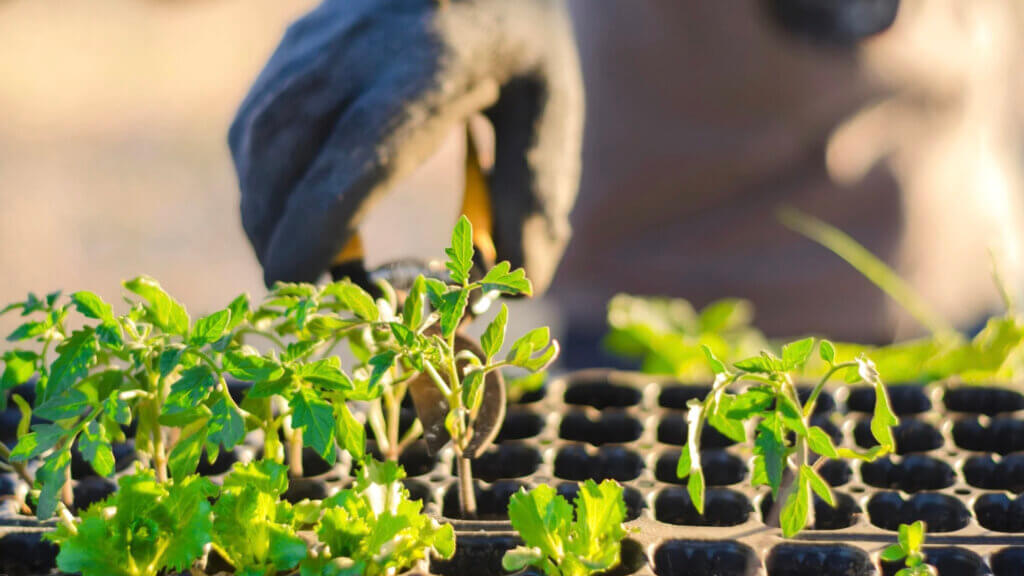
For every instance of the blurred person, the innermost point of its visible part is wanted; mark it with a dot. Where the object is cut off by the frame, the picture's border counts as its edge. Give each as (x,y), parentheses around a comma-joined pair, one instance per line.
(701,119)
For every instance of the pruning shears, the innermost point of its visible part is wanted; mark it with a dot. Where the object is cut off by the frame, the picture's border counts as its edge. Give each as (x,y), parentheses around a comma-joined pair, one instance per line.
(431,405)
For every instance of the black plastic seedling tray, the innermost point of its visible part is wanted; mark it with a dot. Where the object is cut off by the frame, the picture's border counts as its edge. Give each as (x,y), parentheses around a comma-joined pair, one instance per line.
(959,467)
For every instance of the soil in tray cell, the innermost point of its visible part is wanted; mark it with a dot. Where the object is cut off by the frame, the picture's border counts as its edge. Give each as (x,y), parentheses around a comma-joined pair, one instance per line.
(601,395)
(703,558)
(1000,513)
(1008,562)
(941,512)
(676,397)
(491,501)
(914,473)
(989,474)
(608,428)
(818,560)
(672,430)
(722,507)
(520,425)
(609,462)
(983,400)
(905,400)
(910,435)
(504,461)
(720,468)
(1002,435)
(26,553)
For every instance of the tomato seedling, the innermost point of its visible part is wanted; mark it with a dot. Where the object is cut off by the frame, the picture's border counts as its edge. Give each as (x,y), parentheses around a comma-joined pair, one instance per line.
(909,548)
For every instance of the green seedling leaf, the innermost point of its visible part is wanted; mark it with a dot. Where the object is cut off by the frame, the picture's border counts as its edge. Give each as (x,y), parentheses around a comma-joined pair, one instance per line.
(92,306)
(352,297)
(719,417)
(169,359)
(210,328)
(821,443)
(794,511)
(51,476)
(883,418)
(19,367)
(911,537)
(316,419)
(26,414)
(460,254)
(520,557)
(452,308)
(827,352)
(796,354)
(70,404)
(184,457)
(187,393)
(500,279)
(893,553)
(95,447)
(817,484)
(473,390)
(326,373)
(226,426)
(791,414)
(351,434)
(251,367)
(413,310)
(529,343)
(494,336)
(76,356)
(758,364)
(717,366)
(239,310)
(770,447)
(542,518)
(753,401)
(28,330)
(162,310)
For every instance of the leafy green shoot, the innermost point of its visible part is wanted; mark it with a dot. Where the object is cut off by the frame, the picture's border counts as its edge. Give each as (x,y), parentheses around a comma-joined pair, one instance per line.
(143,529)
(375,529)
(568,540)
(784,434)
(909,549)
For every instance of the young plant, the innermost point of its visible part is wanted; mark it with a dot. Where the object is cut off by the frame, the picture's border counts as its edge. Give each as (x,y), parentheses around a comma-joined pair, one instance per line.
(788,449)
(909,549)
(562,541)
(253,529)
(374,529)
(144,528)
(667,334)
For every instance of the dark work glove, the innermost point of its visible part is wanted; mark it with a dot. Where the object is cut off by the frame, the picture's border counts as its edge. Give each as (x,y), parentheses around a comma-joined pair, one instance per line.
(360,92)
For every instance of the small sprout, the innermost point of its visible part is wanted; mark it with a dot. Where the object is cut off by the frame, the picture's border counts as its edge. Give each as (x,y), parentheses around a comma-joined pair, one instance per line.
(562,541)
(909,549)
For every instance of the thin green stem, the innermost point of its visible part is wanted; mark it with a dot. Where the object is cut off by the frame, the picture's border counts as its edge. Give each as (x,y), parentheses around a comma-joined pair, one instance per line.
(438,381)
(813,398)
(18,467)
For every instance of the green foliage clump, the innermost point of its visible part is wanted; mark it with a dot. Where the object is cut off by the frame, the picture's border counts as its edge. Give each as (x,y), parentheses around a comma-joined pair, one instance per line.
(909,549)
(563,541)
(784,437)
(142,529)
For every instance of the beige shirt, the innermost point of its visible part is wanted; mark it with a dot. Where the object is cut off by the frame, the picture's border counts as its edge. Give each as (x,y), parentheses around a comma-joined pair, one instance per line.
(702,119)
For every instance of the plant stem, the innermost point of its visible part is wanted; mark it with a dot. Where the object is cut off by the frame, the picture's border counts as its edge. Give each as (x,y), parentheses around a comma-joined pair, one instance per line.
(378,425)
(293,437)
(19,467)
(159,451)
(813,398)
(67,495)
(65,517)
(392,407)
(467,496)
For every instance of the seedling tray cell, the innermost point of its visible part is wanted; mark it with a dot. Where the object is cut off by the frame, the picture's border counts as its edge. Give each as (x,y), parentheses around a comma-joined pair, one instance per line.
(959,467)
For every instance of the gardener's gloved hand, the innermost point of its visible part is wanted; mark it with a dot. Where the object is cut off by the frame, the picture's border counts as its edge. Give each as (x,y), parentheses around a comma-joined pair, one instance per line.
(362,91)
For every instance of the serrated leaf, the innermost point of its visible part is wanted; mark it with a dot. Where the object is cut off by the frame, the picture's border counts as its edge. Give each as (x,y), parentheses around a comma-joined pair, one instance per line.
(95,447)
(817,484)
(695,487)
(169,359)
(473,389)
(768,443)
(351,434)
(763,364)
(821,443)
(76,355)
(316,419)
(527,344)
(494,335)
(19,367)
(28,330)
(184,457)
(380,364)
(51,477)
(209,329)
(352,297)
(720,419)
(226,426)
(460,253)
(239,309)
(750,402)
(403,334)
(542,519)
(251,367)
(186,394)
(415,303)
(501,279)
(796,354)
(827,351)
(791,414)
(92,306)
(326,373)
(162,310)
(452,308)
(68,405)
(794,511)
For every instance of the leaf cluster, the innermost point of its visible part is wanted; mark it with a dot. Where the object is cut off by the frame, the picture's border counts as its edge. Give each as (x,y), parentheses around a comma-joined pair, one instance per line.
(784,437)
(909,548)
(568,540)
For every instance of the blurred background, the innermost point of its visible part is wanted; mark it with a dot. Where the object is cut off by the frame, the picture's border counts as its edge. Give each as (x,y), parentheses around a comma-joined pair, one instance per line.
(113,156)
